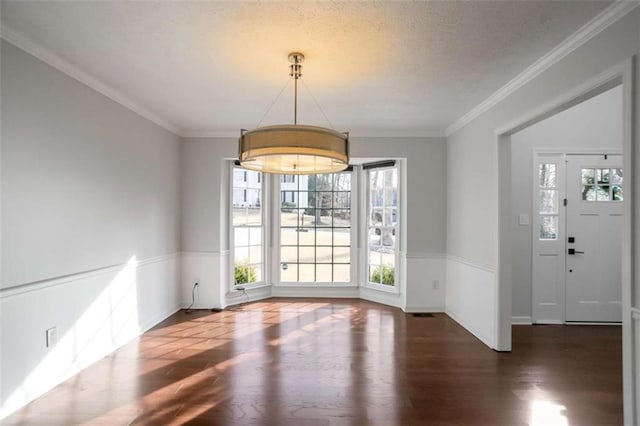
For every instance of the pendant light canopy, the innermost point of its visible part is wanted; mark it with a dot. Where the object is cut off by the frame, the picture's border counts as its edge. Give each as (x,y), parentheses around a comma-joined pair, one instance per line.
(294,149)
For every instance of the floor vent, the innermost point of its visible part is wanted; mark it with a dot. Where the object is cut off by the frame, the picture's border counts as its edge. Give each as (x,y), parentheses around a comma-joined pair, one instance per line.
(423,315)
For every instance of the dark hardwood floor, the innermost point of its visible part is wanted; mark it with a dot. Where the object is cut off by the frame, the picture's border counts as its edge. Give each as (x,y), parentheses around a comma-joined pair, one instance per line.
(341,362)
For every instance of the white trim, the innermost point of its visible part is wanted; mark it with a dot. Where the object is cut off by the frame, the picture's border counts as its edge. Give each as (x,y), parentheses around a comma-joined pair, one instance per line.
(50,58)
(549,322)
(521,320)
(589,30)
(590,88)
(65,279)
(204,253)
(418,309)
(482,266)
(417,134)
(425,255)
(635,314)
(236,297)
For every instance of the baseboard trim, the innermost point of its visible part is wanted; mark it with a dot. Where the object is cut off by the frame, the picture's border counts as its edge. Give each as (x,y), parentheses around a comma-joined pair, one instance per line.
(418,309)
(521,320)
(548,322)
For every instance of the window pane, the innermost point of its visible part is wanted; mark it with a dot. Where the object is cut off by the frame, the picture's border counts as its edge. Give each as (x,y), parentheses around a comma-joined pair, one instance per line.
(255,254)
(289,236)
(341,273)
(241,255)
(377,198)
(323,200)
(324,254)
(307,237)
(289,254)
(616,176)
(387,237)
(306,273)
(241,272)
(324,236)
(388,259)
(254,216)
(241,236)
(390,216)
(547,175)
(320,218)
(239,216)
(588,193)
(342,237)
(588,176)
(342,182)
(342,200)
(602,193)
(374,236)
(602,175)
(374,273)
(375,257)
(548,227)
(288,272)
(548,201)
(616,193)
(324,273)
(255,273)
(342,254)
(307,254)
(376,217)
(341,218)
(255,236)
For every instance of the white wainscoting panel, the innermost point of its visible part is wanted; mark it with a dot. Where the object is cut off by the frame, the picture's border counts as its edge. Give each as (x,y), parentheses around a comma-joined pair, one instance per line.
(204,268)
(94,313)
(471,298)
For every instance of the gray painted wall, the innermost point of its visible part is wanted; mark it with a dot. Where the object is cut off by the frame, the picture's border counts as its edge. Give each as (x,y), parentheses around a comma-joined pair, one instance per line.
(86,183)
(593,124)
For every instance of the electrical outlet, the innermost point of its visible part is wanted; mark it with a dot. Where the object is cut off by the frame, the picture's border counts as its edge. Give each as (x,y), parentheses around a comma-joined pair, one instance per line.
(436,284)
(51,336)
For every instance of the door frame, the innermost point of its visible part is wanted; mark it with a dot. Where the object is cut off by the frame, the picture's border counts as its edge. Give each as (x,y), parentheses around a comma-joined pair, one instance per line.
(623,74)
(561,154)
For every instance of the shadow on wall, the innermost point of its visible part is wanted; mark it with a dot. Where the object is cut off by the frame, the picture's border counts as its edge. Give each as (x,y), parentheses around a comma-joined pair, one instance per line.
(111,319)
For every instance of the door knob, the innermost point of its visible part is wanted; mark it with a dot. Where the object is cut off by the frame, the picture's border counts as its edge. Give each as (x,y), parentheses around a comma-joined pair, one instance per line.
(574,251)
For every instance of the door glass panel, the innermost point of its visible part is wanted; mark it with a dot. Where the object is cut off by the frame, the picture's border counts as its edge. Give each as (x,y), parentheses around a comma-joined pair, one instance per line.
(548,227)
(602,193)
(547,175)
(616,193)
(548,201)
(588,193)
(588,176)
(616,176)
(602,175)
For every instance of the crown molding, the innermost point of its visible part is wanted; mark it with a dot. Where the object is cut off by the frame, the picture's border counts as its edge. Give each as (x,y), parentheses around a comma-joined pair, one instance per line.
(62,65)
(589,30)
(186,133)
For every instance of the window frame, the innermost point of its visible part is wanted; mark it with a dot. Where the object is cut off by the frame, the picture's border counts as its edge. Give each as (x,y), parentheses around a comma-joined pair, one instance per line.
(276,198)
(364,227)
(264,208)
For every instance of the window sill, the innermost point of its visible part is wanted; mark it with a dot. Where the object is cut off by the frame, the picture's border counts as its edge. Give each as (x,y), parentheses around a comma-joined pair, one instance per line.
(382,288)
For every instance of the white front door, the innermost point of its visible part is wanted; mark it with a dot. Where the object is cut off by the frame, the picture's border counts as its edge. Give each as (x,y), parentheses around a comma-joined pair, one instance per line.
(594,238)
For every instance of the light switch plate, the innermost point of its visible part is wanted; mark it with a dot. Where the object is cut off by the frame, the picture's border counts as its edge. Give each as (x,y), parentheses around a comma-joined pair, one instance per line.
(52,336)
(523,219)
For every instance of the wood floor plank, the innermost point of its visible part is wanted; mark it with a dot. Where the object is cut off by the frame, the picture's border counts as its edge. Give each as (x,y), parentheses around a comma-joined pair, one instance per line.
(337,362)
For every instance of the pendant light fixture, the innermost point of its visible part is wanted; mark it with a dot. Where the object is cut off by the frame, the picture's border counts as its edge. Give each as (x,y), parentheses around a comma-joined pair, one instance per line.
(294,149)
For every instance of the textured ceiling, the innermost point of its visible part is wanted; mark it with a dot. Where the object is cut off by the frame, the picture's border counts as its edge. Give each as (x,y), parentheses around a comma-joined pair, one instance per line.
(405,68)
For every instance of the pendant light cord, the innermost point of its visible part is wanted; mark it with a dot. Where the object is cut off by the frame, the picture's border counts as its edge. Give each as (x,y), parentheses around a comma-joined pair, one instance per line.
(318,105)
(274,102)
